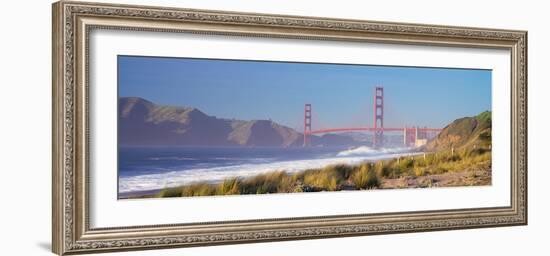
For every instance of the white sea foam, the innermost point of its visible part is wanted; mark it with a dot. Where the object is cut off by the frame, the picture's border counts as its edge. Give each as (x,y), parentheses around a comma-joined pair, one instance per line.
(363,151)
(216,174)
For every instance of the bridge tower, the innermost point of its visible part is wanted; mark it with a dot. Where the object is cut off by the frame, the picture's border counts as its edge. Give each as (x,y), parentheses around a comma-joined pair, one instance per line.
(378,138)
(307,125)
(410,135)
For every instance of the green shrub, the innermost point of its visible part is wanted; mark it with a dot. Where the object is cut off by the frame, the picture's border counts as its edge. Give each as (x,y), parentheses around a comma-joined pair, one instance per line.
(267,183)
(323,179)
(418,171)
(406,163)
(438,170)
(201,189)
(229,187)
(342,171)
(366,177)
(170,192)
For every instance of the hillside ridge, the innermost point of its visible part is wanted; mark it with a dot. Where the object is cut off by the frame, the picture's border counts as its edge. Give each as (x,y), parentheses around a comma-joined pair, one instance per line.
(466,132)
(144,123)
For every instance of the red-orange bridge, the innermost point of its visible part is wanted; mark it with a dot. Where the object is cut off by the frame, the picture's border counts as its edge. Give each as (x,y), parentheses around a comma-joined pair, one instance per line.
(411,135)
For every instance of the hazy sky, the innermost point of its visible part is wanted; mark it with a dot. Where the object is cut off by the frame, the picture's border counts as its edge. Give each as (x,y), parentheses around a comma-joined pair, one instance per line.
(341,95)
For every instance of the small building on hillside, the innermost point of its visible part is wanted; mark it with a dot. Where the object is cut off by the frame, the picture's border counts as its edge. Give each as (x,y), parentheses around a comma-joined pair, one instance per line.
(420,142)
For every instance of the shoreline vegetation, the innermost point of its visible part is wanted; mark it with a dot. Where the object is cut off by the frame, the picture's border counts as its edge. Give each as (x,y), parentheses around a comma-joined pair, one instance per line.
(463,167)
(459,156)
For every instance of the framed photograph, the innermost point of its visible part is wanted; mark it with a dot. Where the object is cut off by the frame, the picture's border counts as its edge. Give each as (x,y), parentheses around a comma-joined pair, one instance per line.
(179,127)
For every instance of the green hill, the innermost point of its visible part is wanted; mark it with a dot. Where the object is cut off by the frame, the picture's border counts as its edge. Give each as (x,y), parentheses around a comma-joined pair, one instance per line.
(466,132)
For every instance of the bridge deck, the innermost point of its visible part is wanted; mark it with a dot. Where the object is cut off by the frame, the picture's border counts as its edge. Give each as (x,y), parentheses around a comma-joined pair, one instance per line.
(371,129)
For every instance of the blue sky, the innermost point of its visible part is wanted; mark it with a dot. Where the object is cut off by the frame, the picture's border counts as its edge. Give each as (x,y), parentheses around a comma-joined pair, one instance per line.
(341,95)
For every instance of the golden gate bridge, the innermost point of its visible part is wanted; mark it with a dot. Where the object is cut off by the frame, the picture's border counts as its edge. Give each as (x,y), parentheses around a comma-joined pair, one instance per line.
(412,136)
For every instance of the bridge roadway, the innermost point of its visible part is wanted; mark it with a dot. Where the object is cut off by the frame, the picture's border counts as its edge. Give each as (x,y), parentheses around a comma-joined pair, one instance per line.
(371,129)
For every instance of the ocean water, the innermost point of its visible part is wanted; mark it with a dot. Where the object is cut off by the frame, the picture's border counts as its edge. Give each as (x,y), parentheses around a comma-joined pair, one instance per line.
(153,168)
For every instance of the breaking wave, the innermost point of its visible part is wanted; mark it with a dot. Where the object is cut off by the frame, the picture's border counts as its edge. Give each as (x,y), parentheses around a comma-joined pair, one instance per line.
(368,151)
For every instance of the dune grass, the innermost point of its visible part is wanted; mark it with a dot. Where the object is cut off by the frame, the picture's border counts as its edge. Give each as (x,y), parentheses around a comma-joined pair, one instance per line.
(368,175)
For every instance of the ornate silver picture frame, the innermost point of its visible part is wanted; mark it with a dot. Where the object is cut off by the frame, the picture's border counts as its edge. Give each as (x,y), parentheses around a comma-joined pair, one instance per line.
(73,22)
